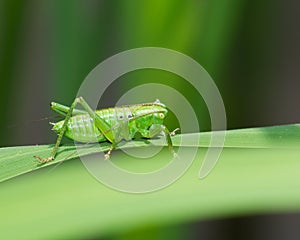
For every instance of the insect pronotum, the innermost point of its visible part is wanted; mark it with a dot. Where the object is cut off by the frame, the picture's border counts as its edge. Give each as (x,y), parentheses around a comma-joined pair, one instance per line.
(110,124)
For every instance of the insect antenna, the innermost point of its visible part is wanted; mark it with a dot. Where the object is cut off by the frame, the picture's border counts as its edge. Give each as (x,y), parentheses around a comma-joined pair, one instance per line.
(24,124)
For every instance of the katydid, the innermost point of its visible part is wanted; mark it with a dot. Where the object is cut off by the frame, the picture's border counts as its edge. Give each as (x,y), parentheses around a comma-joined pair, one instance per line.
(110,124)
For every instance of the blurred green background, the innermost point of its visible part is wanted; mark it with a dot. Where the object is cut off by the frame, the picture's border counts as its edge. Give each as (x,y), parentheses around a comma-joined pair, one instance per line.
(250,48)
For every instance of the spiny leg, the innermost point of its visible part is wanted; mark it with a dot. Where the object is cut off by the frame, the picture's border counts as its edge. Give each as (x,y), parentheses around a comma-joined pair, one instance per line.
(156,129)
(169,140)
(100,123)
(62,132)
(62,110)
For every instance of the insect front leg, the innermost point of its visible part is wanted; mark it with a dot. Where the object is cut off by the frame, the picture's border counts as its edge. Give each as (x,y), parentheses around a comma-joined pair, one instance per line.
(100,123)
(155,129)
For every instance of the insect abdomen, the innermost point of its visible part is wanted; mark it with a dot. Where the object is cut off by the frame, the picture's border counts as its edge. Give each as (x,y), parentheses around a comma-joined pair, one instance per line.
(81,128)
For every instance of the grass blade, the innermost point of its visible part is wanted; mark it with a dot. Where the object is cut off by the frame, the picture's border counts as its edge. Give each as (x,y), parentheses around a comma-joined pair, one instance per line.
(257,172)
(18,160)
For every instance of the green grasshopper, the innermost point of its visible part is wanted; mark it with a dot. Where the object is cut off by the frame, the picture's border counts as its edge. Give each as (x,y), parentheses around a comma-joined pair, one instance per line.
(110,124)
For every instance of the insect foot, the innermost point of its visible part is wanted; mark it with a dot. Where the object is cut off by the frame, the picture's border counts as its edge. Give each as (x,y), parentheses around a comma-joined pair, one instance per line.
(44,160)
(174,131)
(107,155)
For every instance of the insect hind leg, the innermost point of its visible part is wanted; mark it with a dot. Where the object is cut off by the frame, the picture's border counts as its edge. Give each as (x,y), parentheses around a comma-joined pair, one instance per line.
(101,124)
(62,132)
(62,110)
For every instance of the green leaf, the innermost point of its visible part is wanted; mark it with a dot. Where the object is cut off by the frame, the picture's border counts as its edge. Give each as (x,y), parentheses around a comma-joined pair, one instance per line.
(258,172)
(18,160)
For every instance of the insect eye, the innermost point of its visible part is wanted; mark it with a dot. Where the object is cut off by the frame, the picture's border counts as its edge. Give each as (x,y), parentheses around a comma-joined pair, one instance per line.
(121,117)
(129,116)
(161,115)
